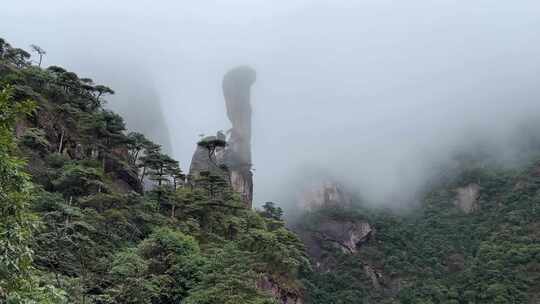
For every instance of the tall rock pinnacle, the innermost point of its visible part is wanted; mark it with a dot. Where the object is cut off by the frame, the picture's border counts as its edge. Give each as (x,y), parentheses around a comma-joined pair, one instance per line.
(236,90)
(230,159)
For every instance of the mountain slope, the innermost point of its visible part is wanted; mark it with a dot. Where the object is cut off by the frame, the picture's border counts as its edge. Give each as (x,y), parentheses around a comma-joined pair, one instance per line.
(101,238)
(474,239)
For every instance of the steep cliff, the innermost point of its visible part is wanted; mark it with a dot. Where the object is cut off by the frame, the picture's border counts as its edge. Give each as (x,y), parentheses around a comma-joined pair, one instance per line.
(228,160)
(232,161)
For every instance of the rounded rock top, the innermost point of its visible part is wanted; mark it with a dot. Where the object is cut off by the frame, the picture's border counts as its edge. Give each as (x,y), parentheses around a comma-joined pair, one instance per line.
(241,75)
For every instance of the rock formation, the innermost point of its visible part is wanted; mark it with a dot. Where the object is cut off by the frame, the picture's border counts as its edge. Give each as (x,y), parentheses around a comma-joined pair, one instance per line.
(283,296)
(320,194)
(209,158)
(467,198)
(236,90)
(347,236)
(329,234)
(231,159)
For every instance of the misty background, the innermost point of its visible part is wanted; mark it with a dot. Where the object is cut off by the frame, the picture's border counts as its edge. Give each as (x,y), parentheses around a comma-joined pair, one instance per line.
(375,93)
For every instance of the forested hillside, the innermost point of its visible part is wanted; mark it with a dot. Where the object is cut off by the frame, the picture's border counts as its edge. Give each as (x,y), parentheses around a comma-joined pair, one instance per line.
(94,214)
(475,238)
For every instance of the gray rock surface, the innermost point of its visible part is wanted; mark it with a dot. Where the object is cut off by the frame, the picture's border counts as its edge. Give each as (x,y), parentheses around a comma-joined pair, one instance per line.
(232,160)
(348,236)
(323,194)
(237,91)
(467,198)
(281,295)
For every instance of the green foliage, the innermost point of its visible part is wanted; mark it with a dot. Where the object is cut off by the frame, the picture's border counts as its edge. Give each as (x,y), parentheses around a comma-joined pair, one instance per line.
(136,143)
(18,283)
(439,254)
(335,287)
(77,180)
(228,279)
(162,269)
(35,139)
(101,238)
(271,211)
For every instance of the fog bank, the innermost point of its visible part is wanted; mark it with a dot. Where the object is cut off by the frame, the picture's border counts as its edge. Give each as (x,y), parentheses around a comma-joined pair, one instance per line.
(377,93)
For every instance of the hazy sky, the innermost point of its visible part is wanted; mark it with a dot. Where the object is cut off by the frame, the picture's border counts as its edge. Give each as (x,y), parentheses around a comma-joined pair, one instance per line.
(377,92)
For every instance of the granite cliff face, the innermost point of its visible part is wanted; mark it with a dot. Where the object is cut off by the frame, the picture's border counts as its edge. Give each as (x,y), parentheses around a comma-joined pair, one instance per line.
(209,158)
(231,158)
(236,90)
(326,193)
(330,230)
(467,198)
(346,236)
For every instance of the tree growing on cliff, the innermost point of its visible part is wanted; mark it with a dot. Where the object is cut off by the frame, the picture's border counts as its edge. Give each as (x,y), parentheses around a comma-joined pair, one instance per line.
(114,130)
(160,166)
(4,47)
(151,151)
(271,211)
(41,52)
(99,91)
(176,174)
(18,57)
(136,143)
(66,122)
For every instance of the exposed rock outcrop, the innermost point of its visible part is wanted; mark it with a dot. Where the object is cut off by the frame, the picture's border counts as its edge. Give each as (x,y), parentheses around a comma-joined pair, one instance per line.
(374,275)
(232,160)
(126,178)
(209,158)
(467,198)
(323,194)
(329,232)
(283,296)
(348,236)
(237,91)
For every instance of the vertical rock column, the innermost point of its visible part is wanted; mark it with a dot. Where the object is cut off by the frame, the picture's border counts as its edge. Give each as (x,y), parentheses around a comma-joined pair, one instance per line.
(236,90)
